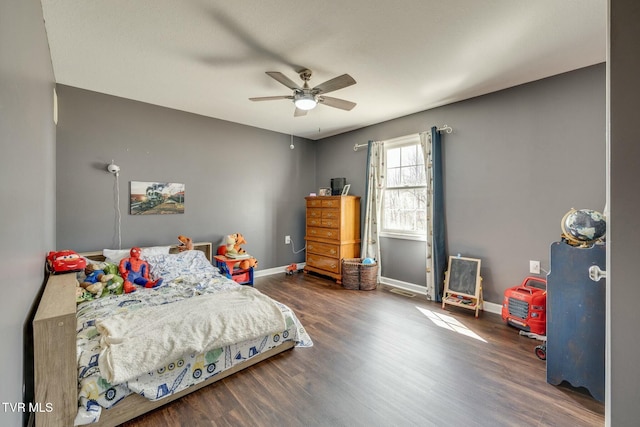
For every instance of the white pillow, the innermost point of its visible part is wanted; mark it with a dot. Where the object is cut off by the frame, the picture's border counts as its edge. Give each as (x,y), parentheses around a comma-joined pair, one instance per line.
(116,255)
(155,250)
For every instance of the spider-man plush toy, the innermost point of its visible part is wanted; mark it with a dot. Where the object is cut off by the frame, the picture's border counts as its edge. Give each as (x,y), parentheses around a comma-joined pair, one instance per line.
(135,270)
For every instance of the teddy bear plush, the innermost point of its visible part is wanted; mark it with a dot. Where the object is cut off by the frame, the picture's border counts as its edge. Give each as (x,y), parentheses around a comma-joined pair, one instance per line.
(96,279)
(186,244)
(82,294)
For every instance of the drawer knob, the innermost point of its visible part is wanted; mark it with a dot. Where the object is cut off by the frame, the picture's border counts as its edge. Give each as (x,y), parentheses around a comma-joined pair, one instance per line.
(332,252)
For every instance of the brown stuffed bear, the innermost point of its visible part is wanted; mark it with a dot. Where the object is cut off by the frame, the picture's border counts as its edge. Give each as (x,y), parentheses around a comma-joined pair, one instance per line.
(96,279)
(186,244)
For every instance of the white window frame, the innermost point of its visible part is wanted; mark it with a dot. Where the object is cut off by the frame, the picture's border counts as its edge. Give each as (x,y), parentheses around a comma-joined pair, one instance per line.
(407,140)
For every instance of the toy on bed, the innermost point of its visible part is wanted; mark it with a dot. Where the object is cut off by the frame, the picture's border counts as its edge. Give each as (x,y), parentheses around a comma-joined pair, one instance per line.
(186,243)
(116,284)
(82,294)
(136,270)
(96,279)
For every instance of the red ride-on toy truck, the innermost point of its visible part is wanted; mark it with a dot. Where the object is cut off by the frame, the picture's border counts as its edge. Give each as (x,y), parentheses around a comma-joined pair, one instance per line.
(525,306)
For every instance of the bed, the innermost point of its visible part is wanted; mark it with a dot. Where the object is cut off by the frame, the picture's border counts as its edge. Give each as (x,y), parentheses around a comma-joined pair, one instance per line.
(81,351)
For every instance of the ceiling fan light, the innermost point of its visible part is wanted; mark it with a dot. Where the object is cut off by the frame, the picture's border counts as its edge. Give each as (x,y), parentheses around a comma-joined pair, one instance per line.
(305,102)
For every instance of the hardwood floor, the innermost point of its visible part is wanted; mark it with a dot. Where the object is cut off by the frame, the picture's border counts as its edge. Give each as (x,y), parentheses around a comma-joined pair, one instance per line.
(383,359)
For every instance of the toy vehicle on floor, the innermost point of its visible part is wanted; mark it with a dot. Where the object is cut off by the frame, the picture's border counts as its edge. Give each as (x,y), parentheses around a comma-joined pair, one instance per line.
(525,306)
(65,261)
(291,268)
(541,351)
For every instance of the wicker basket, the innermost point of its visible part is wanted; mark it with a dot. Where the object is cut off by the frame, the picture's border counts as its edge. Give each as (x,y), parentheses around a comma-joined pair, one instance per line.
(356,275)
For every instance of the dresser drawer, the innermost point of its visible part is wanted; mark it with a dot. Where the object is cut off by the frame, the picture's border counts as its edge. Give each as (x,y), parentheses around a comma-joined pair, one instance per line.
(326,249)
(330,213)
(330,203)
(324,263)
(331,222)
(320,218)
(323,233)
(314,222)
(314,203)
(314,212)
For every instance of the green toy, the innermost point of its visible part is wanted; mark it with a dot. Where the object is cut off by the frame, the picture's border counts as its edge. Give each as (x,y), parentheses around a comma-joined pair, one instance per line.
(115,284)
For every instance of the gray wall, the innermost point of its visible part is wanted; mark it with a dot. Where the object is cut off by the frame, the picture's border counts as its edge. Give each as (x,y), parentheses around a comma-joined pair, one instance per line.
(237,178)
(515,163)
(623,335)
(27,173)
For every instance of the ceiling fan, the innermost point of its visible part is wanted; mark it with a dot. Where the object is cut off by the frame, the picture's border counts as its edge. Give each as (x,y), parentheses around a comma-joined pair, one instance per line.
(306,98)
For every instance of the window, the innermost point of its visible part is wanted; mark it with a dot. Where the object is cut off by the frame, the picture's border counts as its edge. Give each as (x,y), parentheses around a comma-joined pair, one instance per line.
(404,212)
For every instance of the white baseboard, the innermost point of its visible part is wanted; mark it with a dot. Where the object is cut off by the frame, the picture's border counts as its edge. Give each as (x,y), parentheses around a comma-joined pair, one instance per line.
(276,270)
(404,285)
(489,307)
(492,307)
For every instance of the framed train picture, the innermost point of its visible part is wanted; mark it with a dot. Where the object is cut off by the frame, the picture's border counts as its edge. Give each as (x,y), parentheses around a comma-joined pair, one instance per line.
(156,198)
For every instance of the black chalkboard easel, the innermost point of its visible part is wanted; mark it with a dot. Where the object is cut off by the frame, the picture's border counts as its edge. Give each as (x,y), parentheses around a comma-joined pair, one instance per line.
(463,284)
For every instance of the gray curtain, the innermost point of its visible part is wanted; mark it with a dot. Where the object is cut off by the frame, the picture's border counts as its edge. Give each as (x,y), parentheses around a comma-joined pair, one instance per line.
(435,247)
(439,237)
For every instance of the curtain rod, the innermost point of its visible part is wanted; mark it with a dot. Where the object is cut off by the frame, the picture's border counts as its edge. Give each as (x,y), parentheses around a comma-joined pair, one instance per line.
(444,128)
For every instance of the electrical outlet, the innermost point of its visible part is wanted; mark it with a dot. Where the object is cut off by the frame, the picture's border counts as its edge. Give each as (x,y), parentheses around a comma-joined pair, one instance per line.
(287,240)
(534,267)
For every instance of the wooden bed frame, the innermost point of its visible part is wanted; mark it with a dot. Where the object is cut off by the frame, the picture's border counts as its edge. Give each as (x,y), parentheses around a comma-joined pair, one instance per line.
(56,365)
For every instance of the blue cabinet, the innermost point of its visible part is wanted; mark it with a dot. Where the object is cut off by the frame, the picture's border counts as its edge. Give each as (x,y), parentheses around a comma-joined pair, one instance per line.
(576,308)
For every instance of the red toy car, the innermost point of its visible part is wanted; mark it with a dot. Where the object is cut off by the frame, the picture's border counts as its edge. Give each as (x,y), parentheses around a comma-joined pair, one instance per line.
(525,306)
(291,268)
(65,261)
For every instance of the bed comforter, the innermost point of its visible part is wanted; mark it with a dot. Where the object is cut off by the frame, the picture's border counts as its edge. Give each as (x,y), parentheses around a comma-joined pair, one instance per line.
(187,276)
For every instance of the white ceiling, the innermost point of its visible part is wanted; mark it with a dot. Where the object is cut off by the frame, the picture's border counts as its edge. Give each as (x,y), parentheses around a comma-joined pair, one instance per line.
(209,57)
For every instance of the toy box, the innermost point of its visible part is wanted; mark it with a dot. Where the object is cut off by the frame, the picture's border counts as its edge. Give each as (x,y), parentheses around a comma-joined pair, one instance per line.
(525,306)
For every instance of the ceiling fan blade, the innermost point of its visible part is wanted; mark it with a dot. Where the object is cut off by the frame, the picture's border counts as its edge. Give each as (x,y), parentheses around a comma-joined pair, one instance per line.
(334,84)
(336,102)
(271,98)
(283,79)
(299,112)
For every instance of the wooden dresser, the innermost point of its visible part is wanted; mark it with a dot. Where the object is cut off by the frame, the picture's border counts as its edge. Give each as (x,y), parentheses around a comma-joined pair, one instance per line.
(333,233)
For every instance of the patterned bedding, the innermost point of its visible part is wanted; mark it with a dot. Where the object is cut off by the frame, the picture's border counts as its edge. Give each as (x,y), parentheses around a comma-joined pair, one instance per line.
(186,275)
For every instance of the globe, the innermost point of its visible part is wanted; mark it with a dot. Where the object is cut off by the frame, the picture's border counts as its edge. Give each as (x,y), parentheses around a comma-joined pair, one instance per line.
(583,226)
